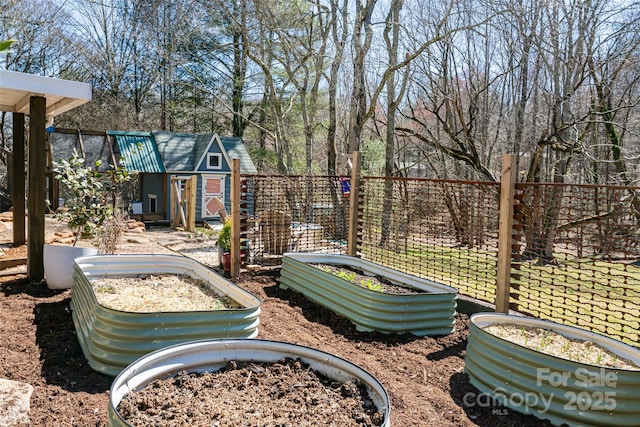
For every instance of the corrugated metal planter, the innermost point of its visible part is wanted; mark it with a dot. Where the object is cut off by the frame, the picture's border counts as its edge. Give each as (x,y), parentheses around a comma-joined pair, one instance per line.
(212,355)
(549,387)
(431,312)
(111,339)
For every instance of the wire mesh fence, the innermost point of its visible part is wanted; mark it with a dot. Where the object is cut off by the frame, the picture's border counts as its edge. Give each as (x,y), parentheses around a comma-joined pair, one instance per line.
(293,214)
(576,256)
(445,231)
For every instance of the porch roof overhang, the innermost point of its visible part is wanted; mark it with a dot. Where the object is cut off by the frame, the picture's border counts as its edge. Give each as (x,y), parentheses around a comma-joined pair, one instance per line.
(38,97)
(16,89)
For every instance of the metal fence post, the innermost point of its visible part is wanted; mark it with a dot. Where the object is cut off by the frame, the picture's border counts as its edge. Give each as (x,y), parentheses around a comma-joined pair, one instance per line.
(505,232)
(354,205)
(235,218)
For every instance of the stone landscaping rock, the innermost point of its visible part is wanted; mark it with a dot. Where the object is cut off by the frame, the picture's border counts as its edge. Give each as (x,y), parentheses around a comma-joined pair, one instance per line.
(14,402)
(138,230)
(137,240)
(135,224)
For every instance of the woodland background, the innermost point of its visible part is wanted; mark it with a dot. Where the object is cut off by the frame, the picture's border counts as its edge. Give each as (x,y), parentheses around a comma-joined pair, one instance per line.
(429,88)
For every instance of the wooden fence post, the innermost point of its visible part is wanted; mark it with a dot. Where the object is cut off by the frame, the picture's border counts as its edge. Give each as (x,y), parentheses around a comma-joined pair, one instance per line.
(36,194)
(354,196)
(18,179)
(235,218)
(173,213)
(191,203)
(505,232)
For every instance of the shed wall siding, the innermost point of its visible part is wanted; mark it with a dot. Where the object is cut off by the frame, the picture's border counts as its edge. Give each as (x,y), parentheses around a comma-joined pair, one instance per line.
(152,183)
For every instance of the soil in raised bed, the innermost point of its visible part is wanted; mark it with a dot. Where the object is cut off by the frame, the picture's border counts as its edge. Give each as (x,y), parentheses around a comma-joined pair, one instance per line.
(557,345)
(373,283)
(285,393)
(146,293)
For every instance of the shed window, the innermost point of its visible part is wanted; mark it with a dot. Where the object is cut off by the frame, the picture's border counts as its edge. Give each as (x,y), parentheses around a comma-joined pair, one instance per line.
(214,161)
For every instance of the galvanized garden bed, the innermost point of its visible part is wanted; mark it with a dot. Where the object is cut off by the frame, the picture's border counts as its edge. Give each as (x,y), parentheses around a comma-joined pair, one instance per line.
(549,386)
(213,355)
(428,309)
(111,339)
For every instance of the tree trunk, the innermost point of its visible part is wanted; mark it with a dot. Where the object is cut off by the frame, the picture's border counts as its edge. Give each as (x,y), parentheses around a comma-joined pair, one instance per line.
(391,37)
(339,14)
(362,36)
(239,72)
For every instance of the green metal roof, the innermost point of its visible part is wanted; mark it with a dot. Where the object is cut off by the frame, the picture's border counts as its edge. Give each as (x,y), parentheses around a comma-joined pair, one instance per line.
(138,151)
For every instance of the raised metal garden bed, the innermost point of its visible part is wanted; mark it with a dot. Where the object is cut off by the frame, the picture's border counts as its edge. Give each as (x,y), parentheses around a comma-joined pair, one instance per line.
(429,312)
(212,355)
(551,387)
(111,339)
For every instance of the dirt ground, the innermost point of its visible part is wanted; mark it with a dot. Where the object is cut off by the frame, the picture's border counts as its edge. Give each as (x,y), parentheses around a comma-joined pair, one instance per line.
(423,376)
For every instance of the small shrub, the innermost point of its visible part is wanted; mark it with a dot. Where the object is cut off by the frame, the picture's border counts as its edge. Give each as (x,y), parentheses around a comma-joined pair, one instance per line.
(110,233)
(224,238)
(94,195)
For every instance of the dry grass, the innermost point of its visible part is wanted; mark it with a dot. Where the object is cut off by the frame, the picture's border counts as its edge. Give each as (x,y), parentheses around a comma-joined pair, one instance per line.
(204,252)
(158,292)
(554,344)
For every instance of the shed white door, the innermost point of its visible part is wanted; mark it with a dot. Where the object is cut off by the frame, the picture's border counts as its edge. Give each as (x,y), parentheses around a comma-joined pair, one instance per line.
(212,195)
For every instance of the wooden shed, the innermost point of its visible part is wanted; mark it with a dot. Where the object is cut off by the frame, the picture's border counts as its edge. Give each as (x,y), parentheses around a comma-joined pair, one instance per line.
(162,156)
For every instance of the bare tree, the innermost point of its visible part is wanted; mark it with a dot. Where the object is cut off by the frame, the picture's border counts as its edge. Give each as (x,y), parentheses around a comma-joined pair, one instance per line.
(451,104)
(41,47)
(259,47)
(339,32)
(302,54)
(391,35)
(360,45)
(110,42)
